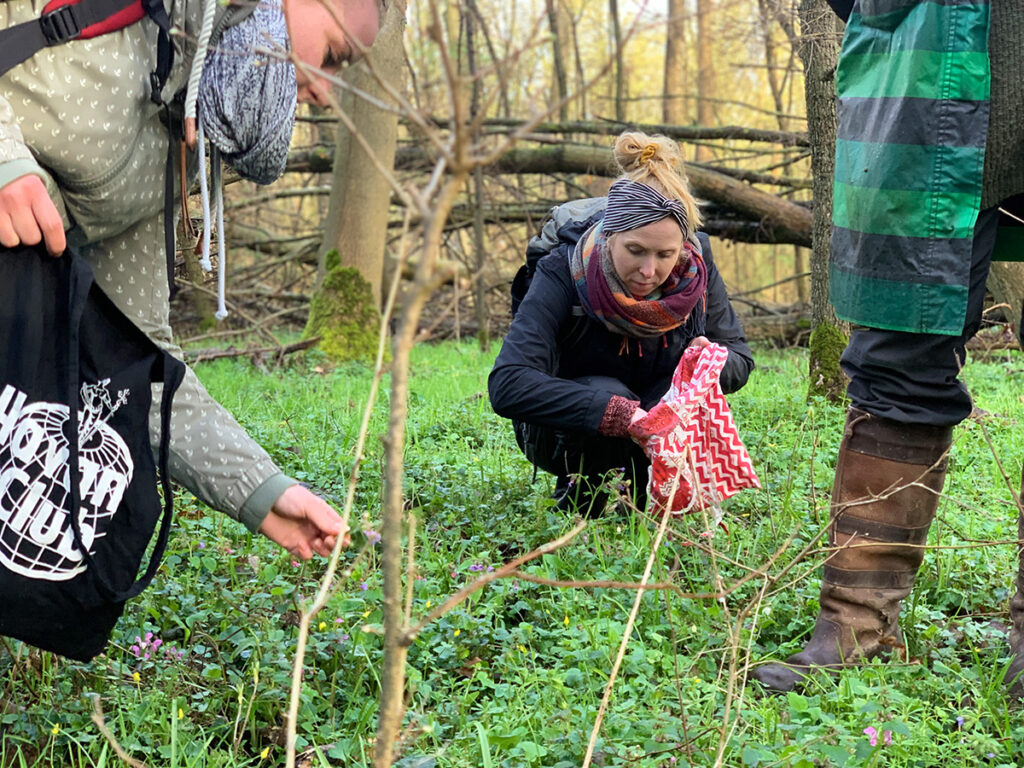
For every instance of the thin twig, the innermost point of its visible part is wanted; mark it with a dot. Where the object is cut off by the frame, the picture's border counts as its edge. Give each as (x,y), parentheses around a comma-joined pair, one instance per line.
(628,631)
(510,568)
(205,355)
(604,584)
(101,726)
(327,580)
(410,572)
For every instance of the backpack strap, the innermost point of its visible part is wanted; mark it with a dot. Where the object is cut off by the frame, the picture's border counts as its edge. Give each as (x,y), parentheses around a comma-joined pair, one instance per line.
(63,21)
(164,50)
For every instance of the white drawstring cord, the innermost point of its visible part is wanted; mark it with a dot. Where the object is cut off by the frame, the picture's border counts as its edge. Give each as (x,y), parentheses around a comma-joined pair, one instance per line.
(204,193)
(194,134)
(196,73)
(218,191)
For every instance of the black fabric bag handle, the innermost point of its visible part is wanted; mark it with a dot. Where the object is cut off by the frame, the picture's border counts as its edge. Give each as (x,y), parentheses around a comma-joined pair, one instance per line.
(78,283)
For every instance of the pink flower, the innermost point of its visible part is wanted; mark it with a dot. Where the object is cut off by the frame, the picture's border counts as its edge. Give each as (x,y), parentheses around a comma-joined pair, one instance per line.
(888,738)
(872,735)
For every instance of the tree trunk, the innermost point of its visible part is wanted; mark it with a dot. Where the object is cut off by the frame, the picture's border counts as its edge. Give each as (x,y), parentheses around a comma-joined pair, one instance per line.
(620,63)
(479,230)
(705,72)
(776,84)
(799,269)
(561,88)
(580,87)
(819,51)
(356,225)
(1006,282)
(673,109)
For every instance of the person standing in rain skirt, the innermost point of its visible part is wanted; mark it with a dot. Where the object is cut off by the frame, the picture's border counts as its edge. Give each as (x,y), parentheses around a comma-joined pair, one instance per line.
(621,286)
(930,145)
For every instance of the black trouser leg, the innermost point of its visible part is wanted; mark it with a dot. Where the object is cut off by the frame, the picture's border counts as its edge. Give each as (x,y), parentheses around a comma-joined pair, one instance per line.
(587,459)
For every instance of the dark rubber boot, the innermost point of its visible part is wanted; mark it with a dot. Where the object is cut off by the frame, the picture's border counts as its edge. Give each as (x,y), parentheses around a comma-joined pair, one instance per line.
(888,480)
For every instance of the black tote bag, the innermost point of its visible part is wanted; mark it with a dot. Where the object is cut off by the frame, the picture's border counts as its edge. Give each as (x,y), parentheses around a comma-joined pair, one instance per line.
(65,578)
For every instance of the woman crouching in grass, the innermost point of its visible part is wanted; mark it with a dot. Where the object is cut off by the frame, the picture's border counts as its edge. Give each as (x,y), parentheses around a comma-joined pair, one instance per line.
(622,285)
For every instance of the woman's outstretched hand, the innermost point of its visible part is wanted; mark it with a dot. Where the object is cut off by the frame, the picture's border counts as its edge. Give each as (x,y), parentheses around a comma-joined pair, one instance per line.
(303,523)
(29,217)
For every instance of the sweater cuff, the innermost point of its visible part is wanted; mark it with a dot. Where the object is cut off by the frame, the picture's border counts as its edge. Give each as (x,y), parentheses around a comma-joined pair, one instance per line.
(256,508)
(615,422)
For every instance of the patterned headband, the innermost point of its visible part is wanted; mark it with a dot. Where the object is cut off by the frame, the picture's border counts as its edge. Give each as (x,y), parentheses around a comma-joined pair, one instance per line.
(632,205)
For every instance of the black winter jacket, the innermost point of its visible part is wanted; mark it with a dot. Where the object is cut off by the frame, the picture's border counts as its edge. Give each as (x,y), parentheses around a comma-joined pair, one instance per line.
(552,342)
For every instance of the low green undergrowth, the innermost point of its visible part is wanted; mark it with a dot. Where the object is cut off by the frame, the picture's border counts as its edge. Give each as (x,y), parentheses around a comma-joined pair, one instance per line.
(198,669)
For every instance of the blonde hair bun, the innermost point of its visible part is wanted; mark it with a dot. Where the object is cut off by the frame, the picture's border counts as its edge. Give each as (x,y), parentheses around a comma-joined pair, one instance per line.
(635,150)
(657,162)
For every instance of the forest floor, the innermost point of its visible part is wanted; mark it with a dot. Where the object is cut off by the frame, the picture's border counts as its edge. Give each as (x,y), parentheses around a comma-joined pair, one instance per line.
(514,676)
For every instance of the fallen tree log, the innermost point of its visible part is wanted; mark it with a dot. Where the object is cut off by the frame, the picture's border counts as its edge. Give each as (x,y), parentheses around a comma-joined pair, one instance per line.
(767,218)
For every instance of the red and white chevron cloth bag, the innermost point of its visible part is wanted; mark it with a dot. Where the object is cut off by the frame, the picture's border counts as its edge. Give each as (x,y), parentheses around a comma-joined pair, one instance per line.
(690,434)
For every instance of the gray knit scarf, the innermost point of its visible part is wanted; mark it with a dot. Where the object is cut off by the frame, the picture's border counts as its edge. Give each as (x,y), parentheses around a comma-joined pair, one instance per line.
(247,95)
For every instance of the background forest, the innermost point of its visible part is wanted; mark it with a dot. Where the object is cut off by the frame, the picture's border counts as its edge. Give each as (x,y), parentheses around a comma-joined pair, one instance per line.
(561,79)
(472,623)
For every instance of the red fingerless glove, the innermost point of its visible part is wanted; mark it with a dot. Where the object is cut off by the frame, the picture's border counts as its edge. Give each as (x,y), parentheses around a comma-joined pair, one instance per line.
(617,417)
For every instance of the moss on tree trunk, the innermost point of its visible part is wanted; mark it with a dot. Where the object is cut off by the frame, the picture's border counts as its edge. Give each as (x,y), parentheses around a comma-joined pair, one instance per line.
(827,379)
(343,312)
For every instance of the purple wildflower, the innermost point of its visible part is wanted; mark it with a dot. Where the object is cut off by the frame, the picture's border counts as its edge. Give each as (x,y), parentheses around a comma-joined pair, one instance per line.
(888,738)
(872,735)
(476,567)
(146,647)
(372,536)
(364,586)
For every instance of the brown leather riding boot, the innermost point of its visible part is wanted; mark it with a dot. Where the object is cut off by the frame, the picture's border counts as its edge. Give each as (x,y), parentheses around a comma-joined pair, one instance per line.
(888,480)
(1015,672)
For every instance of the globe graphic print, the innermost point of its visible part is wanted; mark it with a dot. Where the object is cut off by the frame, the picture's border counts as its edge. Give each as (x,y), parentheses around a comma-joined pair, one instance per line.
(36,538)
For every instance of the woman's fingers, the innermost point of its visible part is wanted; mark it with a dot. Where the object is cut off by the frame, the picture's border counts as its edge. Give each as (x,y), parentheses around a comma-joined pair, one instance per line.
(29,217)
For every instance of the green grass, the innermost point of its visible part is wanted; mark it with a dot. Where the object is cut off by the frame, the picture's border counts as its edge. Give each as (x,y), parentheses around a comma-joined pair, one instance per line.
(514,676)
